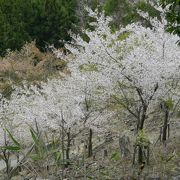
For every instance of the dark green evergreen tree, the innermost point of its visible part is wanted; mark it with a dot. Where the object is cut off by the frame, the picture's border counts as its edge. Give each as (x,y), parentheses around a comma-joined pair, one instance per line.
(52,21)
(46,21)
(12,24)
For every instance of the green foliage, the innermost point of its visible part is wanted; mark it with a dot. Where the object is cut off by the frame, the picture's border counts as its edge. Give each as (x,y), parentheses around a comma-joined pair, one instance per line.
(40,150)
(43,151)
(142,139)
(123,12)
(16,145)
(143,6)
(95,4)
(54,151)
(172,15)
(57,155)
(34,136)
(123,36)
(110,6)
(115,156)
(12,138)
(13,24)
(126,12)
(169,103)
(88,67)
(11,148)
(46,21)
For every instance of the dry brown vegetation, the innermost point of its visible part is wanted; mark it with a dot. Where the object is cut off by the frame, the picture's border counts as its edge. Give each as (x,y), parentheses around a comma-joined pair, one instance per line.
(28,64)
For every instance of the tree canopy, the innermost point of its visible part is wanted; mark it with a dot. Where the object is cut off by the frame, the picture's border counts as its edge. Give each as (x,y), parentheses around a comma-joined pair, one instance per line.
(46,21)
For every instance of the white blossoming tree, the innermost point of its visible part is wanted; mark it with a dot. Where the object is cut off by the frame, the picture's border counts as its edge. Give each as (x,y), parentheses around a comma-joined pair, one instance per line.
(141,62)
(137,66)
(63,106)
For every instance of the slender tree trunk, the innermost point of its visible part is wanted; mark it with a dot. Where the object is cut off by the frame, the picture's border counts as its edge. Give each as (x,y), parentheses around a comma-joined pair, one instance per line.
(165,126)
(62,148)
(90,143)
(143,117)
(148,155)
(134,154)
(7,162)
(140,155)
(138,125)
(142,123)
(68,146)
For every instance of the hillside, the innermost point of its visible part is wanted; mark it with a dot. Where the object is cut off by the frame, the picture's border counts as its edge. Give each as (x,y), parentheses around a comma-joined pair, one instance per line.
(100,100)
(30,65)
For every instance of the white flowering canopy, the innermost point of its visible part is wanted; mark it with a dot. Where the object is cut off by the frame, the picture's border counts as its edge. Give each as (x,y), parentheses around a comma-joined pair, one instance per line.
(141,57)
(57,101)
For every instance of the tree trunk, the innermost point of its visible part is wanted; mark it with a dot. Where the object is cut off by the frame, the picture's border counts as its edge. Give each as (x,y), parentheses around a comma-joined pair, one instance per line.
(143,117)
(62,149)
(138,125)
(134,154)
(90,143)
(142,123)
(68,146)
(140,155)
(147,160)
(165,126)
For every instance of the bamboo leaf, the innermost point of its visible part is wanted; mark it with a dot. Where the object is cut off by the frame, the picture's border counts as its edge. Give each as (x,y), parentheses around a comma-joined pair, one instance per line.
(11,148)
(13,139)
(34,136)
